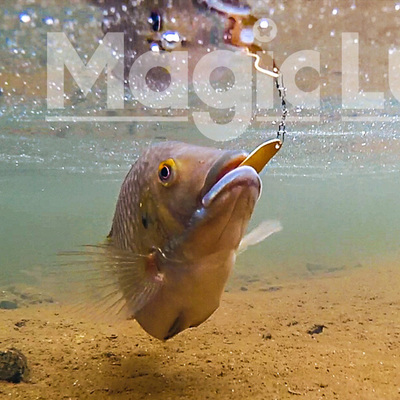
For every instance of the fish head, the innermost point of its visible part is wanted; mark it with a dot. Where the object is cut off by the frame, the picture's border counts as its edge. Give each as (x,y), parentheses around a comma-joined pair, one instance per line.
(191,199)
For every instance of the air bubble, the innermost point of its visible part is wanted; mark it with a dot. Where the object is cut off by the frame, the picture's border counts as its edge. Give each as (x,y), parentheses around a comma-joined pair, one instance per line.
(25,17)
(48,20)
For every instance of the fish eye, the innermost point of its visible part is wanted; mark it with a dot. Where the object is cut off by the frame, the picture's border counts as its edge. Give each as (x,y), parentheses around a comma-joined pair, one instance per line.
(166,171)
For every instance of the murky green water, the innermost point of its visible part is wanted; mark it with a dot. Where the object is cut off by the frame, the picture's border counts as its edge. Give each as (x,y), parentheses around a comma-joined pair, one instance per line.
(59,193)
(334,187)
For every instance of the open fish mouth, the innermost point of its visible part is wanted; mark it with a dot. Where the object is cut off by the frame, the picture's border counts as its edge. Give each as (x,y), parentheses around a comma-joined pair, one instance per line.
(240,176)
(227,173)
(238,169)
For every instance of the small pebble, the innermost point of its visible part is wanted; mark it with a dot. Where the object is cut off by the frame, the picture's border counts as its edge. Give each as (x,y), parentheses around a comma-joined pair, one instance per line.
(267,336)
(316,329)
(113,336)
(21,323)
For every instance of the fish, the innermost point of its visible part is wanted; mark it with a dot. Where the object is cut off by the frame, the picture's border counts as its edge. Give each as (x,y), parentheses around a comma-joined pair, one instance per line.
(180,217)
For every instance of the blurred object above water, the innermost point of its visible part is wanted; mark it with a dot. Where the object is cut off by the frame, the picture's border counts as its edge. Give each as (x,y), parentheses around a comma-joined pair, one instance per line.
(149,23)
(161,25)
(197,26)
(201,26)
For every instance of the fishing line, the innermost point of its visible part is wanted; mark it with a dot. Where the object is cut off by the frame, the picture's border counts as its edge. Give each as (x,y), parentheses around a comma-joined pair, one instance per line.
(282,94)
(259,157)
(278,76)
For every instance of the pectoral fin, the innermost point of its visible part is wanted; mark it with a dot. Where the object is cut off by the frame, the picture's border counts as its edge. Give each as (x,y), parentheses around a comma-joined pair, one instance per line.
(106,283)
(258,234)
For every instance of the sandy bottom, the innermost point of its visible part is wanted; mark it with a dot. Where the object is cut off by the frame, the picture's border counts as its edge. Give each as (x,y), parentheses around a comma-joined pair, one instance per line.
(256,345)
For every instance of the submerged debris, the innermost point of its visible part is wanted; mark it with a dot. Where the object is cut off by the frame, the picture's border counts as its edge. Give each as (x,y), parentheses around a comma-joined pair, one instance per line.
(319,268)
(271,289)
(13,366)
(17,296)
(294,392)
(315,268)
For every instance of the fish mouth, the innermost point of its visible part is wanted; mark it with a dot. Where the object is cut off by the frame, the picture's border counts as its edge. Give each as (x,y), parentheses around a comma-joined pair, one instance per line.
(227,173)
